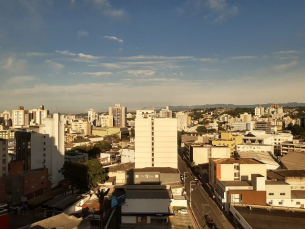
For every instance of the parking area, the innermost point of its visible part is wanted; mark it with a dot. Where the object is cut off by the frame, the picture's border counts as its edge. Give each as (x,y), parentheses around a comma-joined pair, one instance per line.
(181,220)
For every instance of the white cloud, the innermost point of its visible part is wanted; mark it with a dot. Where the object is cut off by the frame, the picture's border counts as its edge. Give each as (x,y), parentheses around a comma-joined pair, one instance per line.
(140,73)
(242,57)
(152,79)
(209,70)
(287,52)
(65,52)
(82,33)
(216,10)
(207,59)
(108,10)
(13,65)
(85,56)
(114,38)
(38,54)
(285,67)
(97,74)
(109,65)
(141,57)
(21,79)
(54,65)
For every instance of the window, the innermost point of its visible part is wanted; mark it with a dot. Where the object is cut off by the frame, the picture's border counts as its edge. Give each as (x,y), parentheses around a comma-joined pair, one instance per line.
(127,176)
(271,194)
(298,202)
(157,176)
(280,203)
(282,194)
(136,176)
(146,176)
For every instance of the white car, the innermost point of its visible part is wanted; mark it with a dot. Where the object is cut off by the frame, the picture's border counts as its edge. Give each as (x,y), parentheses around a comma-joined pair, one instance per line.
(182,211)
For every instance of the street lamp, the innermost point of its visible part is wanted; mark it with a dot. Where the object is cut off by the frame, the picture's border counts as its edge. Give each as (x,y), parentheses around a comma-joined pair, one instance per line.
(184,178)
(191,183)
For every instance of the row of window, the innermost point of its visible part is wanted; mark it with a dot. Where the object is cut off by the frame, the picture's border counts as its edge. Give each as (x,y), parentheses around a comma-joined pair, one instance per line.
(272,194)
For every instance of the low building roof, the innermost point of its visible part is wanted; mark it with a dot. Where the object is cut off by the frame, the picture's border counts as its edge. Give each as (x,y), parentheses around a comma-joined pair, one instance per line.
(236,161)
(297,194)
(46,196)
(61,221)
(291,173)
(260,217)
(148,194)
(294,160)
(235,183)
(275,182)
(121,167)
(272,175)
(263,157)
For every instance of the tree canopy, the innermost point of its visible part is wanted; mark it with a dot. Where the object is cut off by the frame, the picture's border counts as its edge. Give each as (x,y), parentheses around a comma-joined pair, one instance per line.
(201,129)
(84,176)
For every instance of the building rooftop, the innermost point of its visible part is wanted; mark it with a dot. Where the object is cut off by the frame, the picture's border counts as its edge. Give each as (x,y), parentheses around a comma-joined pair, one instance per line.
(272,218)
(121,167)
(272,175)
(291,173)
(235,183)
(294,160)
(297,194)
(264,157)
(275,182)
(236,161)
(157,169)
(61,221)
(148,194)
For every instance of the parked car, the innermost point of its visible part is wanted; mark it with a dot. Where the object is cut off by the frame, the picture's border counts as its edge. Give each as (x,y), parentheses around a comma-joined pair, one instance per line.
(182,211)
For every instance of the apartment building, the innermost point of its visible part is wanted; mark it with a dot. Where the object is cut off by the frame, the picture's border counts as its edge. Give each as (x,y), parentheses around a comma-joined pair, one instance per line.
(292,146)
(228,139)
(93,117)
(3,157)
(181,121)
(165,113)
(43,147)
(37,116)
(119,115)
(200,153)
(231,169)
(259,111)
(20,117)
(155,140)
(106,120)
(81,127)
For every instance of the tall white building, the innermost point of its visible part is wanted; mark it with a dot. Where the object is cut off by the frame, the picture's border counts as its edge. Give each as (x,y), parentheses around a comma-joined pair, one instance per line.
(47,147)
(259,111)
(93,117)
(106,120)
(166,113)
(37,116)
(20,117)
(119,115)
(155,140)
(181,121)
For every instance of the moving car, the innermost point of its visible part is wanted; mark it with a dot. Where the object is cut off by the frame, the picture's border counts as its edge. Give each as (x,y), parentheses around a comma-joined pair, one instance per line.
(182,211)
(209,220)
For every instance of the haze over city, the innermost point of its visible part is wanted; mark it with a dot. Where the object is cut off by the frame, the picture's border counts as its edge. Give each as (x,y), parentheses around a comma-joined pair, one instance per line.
(75,55)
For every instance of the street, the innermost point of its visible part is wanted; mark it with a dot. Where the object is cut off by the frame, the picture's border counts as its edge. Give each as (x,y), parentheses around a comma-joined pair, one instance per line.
(200,202)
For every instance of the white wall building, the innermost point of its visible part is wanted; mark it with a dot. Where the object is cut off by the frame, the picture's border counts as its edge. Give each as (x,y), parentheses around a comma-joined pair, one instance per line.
(47,147)
(181,121)
(155,141)
(165,113)
(259,111)
(119,115)
(127,156)
(106,120)
(93,117)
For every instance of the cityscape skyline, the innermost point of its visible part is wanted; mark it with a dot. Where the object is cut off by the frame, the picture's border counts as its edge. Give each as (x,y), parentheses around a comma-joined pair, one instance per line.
(75,55)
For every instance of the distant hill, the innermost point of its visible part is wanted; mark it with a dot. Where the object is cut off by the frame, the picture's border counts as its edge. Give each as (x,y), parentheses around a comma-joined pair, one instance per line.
(233,106)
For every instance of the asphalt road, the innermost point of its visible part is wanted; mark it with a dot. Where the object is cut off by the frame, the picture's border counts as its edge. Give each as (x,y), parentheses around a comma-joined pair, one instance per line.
(201,203)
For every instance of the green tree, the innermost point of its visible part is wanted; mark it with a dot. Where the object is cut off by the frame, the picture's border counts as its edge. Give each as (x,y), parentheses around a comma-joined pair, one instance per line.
(75,172)
(101,194)
(95,173)
(201,129)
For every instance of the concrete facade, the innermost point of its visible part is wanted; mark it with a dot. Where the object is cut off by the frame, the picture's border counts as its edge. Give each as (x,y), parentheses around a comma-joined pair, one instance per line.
(155,142)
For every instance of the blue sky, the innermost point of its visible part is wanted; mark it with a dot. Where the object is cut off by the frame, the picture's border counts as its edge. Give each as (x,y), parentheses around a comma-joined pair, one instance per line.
(80,54)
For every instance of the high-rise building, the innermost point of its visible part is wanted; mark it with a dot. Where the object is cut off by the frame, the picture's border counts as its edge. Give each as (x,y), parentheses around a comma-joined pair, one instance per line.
(181,121)
(37,116)
(43,148)
(3,157)
(20,117)
(93,117)
(106,120)
(119,115)
(259,111)
(166,113)
(155,140)
(6,115)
